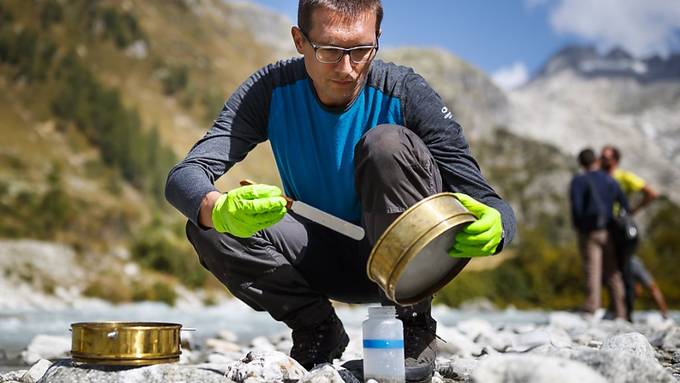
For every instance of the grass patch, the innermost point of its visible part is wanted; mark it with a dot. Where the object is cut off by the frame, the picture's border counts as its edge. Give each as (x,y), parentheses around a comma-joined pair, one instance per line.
(165,249)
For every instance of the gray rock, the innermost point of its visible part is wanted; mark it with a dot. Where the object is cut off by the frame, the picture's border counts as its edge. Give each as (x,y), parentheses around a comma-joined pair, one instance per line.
(598,332)
(655,321)
(224,359)
(36,371)
(614,327)
(632,343)
(546,350)
(12,376)
(623,367)
(46,347)
(559,337)
(566,321)
(530,340)
(64,372)
(284,346)
(589,337)
(499,341)
(322,374)
(261,343)
(488,350)
(348,376)
(192,357)
(473,328)
(227,335)
(457,368)
(455,343)
(265,365)
(534,369)
(436,378)
(560,352)
(668,340)
(137,50)
(620,364)
(222,346)
(481,304)
(676,357)
(521,328)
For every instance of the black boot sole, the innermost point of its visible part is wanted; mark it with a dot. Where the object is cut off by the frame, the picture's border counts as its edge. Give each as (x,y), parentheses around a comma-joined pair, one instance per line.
(419,374)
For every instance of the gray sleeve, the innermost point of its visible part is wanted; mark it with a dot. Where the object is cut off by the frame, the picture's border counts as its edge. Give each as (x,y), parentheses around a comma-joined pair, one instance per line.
(240,126)
(426,115)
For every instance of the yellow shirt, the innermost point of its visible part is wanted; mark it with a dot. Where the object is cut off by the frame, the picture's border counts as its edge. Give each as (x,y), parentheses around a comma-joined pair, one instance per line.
(629,182)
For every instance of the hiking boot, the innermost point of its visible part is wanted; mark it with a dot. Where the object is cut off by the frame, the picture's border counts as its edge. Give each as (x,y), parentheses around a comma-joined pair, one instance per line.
(420,346)
(319,344)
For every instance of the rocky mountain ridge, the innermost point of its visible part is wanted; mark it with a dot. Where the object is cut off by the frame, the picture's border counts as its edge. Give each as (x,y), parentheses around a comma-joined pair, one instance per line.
(582,98)
(588,62)
(477,103)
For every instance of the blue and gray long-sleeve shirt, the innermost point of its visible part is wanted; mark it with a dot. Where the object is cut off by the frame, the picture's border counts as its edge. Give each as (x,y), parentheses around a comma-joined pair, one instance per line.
(313,145)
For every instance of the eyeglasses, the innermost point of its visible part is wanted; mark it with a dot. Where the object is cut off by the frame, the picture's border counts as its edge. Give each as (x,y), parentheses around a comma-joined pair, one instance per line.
(329,54)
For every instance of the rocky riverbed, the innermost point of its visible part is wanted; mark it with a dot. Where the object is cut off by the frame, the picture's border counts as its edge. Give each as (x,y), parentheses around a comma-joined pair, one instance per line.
(564,347)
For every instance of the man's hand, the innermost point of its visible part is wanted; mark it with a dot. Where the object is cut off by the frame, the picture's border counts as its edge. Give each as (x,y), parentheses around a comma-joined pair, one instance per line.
(480,238)
(248,209)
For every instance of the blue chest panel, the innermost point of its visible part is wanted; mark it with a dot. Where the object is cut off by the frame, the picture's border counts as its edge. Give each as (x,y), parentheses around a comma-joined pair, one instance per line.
(314,147)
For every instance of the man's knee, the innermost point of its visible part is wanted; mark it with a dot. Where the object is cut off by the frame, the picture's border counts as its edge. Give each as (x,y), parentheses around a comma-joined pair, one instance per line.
(388,157)
(229,257)
(207,247)
(383,143)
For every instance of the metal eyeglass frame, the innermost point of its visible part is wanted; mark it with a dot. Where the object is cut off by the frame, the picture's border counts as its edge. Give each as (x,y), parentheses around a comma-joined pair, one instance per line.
(345,51)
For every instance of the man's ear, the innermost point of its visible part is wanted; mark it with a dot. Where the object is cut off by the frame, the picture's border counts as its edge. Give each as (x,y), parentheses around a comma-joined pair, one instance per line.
(298,39)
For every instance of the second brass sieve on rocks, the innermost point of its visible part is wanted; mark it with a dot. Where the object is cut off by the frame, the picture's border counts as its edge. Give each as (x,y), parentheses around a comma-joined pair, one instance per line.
(410,260)
(125,343)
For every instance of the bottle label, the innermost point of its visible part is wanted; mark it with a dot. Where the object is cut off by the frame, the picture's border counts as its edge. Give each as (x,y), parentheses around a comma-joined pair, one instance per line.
(383,343)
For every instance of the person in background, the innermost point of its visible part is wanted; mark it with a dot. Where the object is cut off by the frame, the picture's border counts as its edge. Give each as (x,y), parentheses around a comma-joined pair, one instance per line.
(642,277)
(630,183)
(592,194)
(632,186)
(354,136)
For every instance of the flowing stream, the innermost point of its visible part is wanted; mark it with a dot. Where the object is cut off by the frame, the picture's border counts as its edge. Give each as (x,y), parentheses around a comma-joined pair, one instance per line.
(19,326)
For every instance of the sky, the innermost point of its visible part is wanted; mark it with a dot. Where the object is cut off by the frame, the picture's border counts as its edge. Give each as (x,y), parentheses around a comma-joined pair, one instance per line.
(511,39)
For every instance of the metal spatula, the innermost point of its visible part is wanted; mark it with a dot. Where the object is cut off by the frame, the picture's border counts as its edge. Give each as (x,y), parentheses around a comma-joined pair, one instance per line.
(321,217)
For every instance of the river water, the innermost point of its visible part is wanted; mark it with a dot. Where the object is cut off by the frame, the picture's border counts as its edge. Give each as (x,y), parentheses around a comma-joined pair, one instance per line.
(19,326)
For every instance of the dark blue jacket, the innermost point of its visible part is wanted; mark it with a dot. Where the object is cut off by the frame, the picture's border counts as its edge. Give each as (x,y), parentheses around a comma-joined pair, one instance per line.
(592,195)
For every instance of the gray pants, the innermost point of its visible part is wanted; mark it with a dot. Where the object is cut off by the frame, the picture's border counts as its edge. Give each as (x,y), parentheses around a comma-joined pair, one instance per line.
(294,267)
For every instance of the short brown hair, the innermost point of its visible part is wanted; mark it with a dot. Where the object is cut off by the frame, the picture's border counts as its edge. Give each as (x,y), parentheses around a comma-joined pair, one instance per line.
(616,154)
(348,8)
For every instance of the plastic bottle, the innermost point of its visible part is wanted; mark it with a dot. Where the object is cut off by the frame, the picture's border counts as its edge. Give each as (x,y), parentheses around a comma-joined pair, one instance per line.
(383,346)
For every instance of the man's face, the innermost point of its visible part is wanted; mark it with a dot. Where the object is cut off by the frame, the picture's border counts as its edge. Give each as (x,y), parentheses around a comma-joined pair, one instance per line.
(336,84)
(607,160)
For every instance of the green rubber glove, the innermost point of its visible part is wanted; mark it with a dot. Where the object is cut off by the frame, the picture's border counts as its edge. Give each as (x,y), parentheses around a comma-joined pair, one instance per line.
(248,209)
(480,238)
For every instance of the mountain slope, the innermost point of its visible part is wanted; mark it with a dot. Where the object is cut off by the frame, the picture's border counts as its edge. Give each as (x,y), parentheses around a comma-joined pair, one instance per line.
(97,102)
(571,105)
(164,81)
(477,103)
